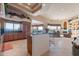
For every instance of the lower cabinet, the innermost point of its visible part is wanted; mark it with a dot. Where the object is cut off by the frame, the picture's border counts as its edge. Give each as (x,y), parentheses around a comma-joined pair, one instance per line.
(13,36)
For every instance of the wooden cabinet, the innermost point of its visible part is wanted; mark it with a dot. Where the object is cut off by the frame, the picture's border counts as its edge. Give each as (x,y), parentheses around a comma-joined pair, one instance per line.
(8,37)
(29,45)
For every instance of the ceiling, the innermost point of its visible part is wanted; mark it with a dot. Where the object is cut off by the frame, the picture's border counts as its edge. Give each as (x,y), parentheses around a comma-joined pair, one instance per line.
(59,10)
(35,22)
(49,11)
(30,7)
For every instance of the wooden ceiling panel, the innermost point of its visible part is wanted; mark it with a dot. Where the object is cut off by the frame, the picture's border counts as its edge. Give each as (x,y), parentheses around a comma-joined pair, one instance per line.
(33,6)
(12,9)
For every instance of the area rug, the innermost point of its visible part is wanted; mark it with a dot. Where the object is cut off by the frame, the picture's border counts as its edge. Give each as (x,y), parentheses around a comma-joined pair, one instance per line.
(6,46)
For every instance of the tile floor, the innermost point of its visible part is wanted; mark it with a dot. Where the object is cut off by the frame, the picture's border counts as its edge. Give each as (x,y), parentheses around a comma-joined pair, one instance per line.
(59,47)
(19,48)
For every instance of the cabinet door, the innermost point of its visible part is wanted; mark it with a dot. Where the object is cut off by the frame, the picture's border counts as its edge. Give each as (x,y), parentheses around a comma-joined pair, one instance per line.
(15,36)
(8,37)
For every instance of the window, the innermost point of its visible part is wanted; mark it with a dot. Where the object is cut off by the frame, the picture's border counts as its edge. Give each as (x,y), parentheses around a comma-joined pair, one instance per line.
(37,29)
(59,27)
(34,28)
(52,27)
(12,27)
(17,27)
(40,28)
(8,27)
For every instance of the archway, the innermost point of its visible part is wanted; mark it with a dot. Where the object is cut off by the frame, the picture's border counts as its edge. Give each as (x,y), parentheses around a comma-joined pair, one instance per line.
(65,25)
